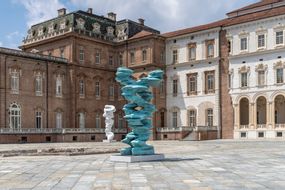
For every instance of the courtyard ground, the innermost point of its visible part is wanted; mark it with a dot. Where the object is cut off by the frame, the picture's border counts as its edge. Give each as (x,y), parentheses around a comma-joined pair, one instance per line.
(219,164)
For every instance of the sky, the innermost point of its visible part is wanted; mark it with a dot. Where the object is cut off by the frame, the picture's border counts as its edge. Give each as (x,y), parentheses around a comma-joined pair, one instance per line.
(16,16)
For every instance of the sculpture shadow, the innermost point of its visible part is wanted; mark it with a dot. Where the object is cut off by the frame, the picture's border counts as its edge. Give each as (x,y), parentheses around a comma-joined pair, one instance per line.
(178,159)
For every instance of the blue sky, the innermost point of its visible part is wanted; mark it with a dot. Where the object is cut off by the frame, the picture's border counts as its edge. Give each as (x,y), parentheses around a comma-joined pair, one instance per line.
(16,16)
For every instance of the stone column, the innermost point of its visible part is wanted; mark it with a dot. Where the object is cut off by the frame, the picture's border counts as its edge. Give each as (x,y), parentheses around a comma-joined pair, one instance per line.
(252,116)
(236,117)
(269,115)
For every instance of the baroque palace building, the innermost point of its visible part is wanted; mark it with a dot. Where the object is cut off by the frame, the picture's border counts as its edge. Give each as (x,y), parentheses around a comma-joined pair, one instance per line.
(222,80)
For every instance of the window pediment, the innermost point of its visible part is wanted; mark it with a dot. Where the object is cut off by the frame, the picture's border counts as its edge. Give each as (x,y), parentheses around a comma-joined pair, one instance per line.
(244,69)
(261,67)
(279,64)
(261,30)
(243,33)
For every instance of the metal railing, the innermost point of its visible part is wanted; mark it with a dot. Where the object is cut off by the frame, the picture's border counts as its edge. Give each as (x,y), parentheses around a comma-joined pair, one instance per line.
(243,127)
(261,126)
(58,130)
(280,125)
(187,128)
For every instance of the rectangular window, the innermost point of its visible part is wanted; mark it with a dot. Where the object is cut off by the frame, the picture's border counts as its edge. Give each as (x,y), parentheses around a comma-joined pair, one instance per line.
(174,87)
(174,119)
(15,82)
(121,59)
(81,54)
(132,57)
(97,89)
(81,120)
(162,56)
(97,57)
(261,78)
(192,53)
(210,82)
(192,79)
(38,120)
(210,50)
(279,75)
(38,85)
(243,79)
(120,121)
(209,117)
(161,88)
(243,44)
(81,88)
(230,80)
(144,55)
(58,120)
(279,38)
(58,87)
(261,41)
(192,118)
(174,56)
(111,91)
(98,120)
(62,52)
(110,60)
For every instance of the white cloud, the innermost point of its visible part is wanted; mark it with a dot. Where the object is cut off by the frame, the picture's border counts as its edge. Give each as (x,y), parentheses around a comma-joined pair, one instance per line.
(165,15)
(1,44)
(40,10)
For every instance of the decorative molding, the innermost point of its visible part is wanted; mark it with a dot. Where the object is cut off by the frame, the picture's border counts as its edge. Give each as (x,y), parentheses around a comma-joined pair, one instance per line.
(96,28)
(80,23)
(279,64)
(244,69)
(261,67)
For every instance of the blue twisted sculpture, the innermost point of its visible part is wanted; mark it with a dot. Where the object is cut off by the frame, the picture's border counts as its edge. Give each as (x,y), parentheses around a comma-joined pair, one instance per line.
(138,112)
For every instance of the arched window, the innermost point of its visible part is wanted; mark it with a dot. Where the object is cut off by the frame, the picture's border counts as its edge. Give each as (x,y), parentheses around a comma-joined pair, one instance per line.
(98,120)
(15,116)
(81,120)
(58,120)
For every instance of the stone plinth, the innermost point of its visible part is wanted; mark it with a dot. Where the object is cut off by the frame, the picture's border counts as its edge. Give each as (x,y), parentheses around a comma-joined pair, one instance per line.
(142,158)
(109,141)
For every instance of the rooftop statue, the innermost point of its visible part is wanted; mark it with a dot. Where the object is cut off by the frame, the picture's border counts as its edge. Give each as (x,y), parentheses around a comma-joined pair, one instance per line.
(138,111)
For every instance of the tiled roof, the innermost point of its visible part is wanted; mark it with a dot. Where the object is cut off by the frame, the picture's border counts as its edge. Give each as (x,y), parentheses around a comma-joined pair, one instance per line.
(255,5)
(141,34)
(194,29)
(232,20)
(20,53)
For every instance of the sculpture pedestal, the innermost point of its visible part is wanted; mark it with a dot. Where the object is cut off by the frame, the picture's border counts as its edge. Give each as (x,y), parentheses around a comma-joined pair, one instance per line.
(109,141)
(141,158)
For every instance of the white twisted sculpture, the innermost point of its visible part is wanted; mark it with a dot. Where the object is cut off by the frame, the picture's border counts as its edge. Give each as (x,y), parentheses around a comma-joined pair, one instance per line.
(109,121)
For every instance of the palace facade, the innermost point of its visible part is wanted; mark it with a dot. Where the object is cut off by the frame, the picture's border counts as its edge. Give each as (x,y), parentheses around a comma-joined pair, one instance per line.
(222,80)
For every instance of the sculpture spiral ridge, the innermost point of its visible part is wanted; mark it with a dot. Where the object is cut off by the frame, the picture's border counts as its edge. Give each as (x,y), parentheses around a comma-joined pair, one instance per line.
(138,112)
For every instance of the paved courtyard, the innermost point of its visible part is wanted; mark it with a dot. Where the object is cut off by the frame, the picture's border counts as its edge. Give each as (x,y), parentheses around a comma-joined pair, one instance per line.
(189,165)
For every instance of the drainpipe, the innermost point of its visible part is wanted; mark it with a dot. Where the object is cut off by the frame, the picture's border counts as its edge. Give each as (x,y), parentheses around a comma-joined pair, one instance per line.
(219,131)
(5,91)
(47,89)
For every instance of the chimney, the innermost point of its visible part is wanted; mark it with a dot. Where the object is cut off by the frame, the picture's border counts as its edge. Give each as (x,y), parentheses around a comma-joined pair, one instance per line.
(112,16)
(89,10)
(61,11)
(141,21)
